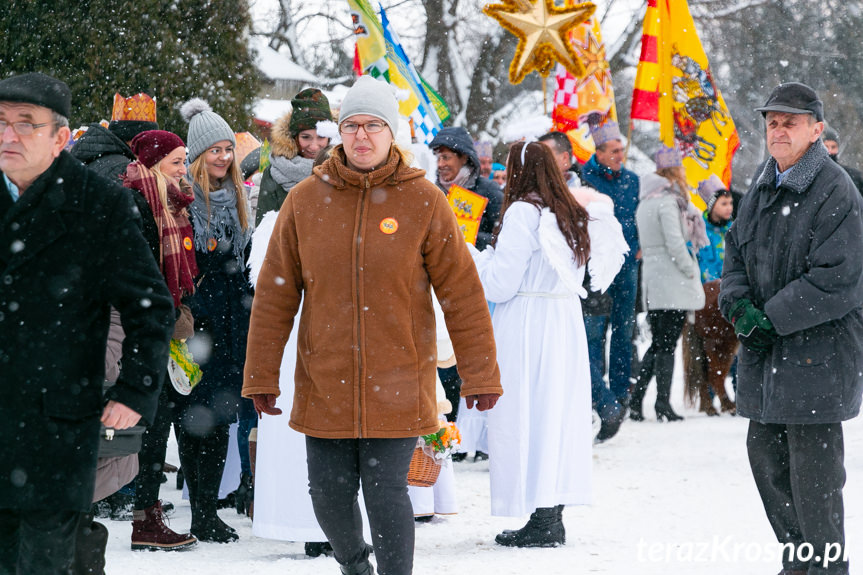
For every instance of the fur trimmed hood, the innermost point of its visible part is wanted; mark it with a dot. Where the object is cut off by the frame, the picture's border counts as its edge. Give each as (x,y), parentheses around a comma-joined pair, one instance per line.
(281,140)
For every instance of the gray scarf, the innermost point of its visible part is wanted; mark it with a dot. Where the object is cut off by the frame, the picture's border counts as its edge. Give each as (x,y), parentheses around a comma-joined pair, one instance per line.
(460,179)
(287,173)
(222,223)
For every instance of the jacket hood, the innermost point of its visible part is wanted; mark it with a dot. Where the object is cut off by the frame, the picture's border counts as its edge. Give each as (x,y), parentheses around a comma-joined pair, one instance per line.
(802,173)
(281,140)
(652,183)
(458,140)
(336,172)
(97,142)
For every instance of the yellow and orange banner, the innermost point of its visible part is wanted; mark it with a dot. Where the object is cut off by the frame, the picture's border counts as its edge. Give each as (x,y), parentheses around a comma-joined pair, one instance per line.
(675,87)
(468,208)
(576,99)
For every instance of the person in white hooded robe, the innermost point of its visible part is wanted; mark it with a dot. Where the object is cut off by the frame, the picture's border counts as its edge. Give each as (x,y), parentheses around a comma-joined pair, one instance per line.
(540,436)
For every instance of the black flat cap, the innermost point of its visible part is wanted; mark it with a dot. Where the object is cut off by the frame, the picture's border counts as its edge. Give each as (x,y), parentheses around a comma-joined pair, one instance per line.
(38,89)
(794,98)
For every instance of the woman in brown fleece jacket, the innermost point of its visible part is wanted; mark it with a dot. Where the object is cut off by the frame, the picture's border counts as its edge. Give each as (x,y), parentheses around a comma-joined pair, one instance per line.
(361,242)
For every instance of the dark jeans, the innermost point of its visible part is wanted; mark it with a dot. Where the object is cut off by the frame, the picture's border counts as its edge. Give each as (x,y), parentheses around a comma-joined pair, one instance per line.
(604,401)
(336,469)
(799,471)
(37,541)
(248,421)
(154,444)
(622,291)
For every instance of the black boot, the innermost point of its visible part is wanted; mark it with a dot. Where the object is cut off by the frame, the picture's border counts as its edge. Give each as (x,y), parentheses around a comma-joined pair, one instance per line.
(664,369)
(244,495)
(362,568)
(318,548)
(543,529)
(203,460)
(610,426)
(640,386)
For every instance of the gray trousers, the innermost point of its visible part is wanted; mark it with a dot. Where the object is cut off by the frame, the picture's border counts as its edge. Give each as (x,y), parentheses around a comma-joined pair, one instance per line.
(337,467)
(799,471)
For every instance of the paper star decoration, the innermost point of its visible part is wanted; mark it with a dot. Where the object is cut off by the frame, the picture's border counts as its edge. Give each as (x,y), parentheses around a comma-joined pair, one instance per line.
(543,31)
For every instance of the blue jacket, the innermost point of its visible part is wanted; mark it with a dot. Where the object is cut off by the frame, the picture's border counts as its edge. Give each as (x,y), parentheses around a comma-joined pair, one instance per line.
(622,187)
(711,256)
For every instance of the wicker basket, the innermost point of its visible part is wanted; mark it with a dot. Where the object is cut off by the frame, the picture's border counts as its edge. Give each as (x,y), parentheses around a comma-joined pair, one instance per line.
(423,471)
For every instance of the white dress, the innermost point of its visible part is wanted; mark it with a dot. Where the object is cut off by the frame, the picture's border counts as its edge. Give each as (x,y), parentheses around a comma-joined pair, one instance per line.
(540,435)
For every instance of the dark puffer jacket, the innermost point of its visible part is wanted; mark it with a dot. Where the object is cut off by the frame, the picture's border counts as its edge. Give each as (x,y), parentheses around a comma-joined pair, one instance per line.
(794,251)
(458,140)
(107,155)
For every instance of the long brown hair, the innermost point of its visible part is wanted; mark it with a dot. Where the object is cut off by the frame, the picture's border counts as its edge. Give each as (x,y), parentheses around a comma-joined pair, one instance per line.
(539,182)
(198,174)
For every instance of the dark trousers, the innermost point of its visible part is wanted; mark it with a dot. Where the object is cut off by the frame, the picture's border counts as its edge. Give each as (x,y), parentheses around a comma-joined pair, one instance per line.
(154,444)
(336,469)
(37,541)
(622,291)
(658,360)
(451,383)
(203,451)
(799,471)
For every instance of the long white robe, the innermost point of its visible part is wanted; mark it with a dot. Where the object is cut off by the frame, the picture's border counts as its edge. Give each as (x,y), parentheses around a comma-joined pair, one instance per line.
(540,437)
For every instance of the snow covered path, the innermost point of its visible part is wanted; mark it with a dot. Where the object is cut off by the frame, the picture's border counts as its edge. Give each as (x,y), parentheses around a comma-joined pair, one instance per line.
(669,499)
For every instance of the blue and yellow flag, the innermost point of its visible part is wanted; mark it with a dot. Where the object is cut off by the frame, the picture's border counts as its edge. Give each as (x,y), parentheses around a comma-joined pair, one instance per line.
(381,55)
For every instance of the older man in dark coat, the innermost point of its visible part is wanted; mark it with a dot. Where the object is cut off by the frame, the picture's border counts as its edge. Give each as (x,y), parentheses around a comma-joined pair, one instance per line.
(792,285)
(70,247)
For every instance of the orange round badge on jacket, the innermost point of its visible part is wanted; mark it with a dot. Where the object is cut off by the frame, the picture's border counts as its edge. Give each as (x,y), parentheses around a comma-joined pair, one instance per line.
(389,225)
(187,243)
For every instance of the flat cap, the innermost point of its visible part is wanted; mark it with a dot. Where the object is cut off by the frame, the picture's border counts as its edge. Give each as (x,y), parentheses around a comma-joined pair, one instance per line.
(38,89)
(794,98)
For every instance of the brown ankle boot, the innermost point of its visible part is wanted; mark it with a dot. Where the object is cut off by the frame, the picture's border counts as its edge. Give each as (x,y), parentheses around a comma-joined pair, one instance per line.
(150,532)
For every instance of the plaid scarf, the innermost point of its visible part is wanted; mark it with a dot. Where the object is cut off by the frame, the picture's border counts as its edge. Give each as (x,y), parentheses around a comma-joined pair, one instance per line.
(176,248)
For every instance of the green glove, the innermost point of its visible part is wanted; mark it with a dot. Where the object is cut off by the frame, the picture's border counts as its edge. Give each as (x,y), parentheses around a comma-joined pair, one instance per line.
(752,327)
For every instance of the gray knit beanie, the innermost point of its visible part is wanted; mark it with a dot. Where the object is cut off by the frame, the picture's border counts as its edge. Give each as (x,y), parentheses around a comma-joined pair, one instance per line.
(205,127)
(373,98)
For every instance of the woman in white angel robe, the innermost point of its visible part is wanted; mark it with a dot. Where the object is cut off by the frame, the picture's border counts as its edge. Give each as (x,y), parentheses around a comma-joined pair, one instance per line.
(540,435)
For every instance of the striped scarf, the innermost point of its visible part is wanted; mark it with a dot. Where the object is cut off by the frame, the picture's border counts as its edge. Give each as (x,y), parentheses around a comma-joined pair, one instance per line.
(176,247)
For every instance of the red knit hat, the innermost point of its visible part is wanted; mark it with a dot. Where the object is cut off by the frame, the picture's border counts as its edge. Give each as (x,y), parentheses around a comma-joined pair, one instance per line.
(152,146)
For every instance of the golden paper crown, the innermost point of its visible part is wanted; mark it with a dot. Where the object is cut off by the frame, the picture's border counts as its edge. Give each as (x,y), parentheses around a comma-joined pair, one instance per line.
(137,108)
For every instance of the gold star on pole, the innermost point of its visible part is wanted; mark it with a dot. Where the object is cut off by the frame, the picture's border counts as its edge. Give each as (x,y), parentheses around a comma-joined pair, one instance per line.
(542,30)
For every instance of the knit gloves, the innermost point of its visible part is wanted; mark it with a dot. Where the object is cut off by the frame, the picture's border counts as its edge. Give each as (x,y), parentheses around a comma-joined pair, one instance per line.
(752,327)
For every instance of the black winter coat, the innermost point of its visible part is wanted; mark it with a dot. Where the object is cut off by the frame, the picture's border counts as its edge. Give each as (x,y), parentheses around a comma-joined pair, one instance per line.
(107,155)
(795,252)
(458,140)
(221,306)
(70,248)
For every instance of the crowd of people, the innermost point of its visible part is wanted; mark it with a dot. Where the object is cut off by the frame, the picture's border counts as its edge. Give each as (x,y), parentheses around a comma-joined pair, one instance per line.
(319,317)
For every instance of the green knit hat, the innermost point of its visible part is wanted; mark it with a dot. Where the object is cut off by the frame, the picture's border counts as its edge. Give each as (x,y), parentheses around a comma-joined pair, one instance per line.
(309,107)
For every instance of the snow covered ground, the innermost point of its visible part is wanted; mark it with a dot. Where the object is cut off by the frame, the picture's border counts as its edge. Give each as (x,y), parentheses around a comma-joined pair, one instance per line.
(669,498)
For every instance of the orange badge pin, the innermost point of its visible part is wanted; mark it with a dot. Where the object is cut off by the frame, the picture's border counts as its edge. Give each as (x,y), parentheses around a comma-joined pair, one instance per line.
(389,225)
(211,244)
(187,243)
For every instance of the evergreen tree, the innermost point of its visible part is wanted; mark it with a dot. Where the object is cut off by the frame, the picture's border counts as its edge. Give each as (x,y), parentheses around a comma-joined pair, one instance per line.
(171,49)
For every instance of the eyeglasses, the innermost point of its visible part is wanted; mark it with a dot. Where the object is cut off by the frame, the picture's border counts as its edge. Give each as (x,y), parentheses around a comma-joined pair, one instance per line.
(369,127)
(22,128)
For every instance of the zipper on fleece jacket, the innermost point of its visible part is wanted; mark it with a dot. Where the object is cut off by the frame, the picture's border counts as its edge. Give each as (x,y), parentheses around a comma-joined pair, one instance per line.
(363,194)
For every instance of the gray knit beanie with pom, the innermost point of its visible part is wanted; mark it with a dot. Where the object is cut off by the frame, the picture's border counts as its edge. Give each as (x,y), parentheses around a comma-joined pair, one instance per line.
(205,127)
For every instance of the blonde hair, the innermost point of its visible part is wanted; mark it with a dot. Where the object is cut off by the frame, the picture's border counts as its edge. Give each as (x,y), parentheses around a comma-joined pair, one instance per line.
(676,175)
(198,174)
(162,186)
